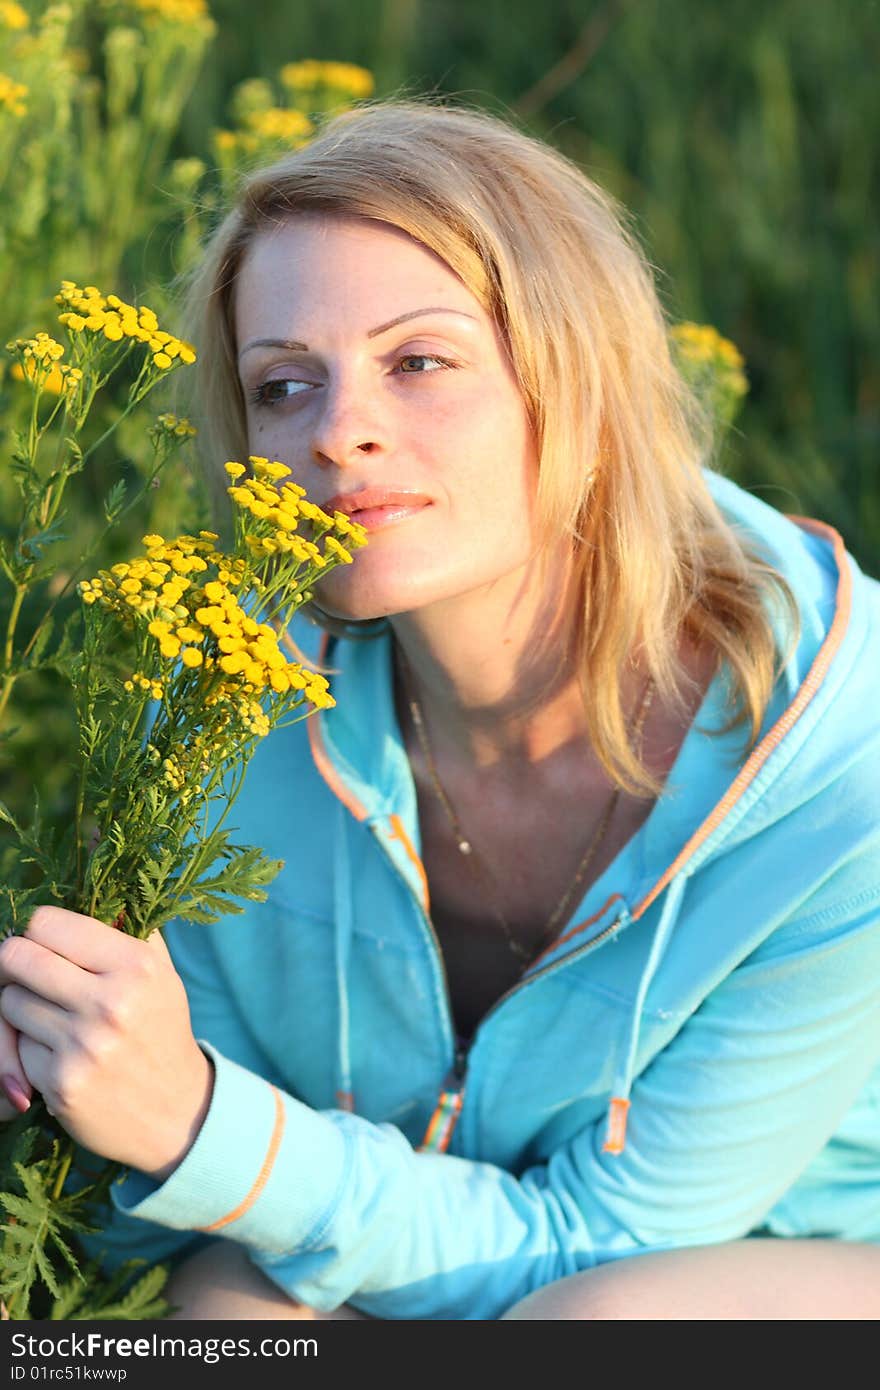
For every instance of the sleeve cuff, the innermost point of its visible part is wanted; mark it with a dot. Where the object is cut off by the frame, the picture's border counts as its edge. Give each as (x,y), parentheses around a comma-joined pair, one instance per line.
(265,1170)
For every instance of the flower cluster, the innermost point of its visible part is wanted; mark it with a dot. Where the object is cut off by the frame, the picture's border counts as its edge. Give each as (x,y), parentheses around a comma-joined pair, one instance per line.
(179,426)
(342,77)
(39,362)
(87,310)
(141,682)
(713,366)
(314,88)
(270,126)
(201,615)
(702,343)
(12,95)
(41,348)
(280,511)
(183,598)
(280,123)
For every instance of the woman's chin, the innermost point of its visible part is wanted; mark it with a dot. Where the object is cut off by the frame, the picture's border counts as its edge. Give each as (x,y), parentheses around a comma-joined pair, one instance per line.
(352,603)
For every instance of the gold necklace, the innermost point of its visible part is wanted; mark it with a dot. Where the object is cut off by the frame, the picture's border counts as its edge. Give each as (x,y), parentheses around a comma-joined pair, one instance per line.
(466,848)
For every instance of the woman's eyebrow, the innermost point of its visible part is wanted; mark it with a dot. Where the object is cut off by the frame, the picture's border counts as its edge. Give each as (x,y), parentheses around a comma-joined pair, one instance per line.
(372,333)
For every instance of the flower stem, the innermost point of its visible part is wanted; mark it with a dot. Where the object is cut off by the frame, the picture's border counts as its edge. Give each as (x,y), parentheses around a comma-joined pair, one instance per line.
(8,674)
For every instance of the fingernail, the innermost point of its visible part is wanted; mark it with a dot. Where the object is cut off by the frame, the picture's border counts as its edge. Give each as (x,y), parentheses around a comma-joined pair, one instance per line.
(15,1093)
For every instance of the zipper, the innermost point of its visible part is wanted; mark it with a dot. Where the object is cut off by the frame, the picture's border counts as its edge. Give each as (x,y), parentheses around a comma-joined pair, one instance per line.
(458,1064)
(451,1097)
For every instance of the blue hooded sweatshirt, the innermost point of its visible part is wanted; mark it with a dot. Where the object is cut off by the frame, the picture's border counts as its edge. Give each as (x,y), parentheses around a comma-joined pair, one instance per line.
(696,1058)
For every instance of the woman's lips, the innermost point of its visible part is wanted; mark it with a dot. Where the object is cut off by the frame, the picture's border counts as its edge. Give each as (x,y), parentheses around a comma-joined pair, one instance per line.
(374,508)
(372,518)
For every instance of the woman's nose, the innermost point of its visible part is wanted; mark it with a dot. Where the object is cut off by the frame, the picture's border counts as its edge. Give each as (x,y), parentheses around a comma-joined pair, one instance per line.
(347,427)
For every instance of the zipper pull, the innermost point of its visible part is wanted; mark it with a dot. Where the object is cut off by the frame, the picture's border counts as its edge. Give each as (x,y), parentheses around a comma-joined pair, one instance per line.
(448,1107)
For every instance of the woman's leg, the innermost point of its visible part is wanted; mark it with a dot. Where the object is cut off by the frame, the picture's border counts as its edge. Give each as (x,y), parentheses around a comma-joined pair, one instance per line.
(742,1280)
(220,1282)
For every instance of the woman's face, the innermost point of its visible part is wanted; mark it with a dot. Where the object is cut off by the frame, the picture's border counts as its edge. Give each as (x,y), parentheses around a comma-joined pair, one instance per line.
(373,373)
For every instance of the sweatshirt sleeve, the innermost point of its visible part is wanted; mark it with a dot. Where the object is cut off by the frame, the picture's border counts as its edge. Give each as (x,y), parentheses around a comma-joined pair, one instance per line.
(336,1209)
(213,1014)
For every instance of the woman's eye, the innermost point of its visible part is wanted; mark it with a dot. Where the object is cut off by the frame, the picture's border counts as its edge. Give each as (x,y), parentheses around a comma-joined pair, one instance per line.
(269,392)
(424,357)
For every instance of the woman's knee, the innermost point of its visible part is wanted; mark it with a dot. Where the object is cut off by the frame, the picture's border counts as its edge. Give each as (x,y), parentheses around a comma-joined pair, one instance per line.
(590,1296)
(221,1282)
(747,1279)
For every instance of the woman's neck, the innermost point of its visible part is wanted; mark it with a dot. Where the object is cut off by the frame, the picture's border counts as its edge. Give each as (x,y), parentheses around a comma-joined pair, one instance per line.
(493,673)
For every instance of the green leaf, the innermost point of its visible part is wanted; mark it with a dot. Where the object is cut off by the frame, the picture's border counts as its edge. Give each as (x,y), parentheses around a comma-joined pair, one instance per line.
(32,547)
(115,500)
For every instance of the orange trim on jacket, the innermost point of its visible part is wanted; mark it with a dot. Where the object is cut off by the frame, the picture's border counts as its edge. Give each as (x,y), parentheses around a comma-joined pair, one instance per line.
(322,761)
(263,1175)
(400,834)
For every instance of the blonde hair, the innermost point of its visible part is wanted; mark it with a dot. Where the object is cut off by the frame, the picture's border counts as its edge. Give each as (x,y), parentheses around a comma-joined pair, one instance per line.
(621,439)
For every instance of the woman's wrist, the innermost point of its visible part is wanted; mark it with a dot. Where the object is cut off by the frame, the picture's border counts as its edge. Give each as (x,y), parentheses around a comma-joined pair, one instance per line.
(182,1124)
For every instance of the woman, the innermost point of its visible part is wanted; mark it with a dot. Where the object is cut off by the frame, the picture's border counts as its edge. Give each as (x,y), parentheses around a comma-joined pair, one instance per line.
(591,836)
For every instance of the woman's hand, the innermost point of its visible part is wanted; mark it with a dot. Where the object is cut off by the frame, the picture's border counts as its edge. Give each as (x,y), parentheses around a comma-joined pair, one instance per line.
(104,1034)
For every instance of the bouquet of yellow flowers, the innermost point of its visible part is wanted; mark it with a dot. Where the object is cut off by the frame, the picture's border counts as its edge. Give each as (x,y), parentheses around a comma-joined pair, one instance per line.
(178,662)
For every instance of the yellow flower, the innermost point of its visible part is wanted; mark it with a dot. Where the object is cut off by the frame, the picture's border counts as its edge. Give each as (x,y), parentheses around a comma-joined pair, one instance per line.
(277,470)
(314,513)
(174,11)
(333,545)
(191,656)
(12,95)
(235,470)
(234,662)
(12,16)
(279,123)
(310,73)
